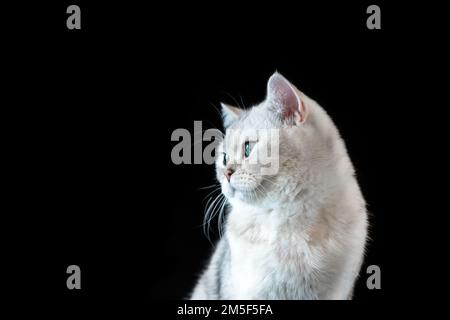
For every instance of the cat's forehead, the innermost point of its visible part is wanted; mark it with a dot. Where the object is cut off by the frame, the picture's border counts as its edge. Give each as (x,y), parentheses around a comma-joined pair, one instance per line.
(254,118)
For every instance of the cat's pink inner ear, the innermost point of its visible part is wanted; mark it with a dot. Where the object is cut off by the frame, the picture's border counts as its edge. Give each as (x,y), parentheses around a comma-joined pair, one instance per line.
(284,98)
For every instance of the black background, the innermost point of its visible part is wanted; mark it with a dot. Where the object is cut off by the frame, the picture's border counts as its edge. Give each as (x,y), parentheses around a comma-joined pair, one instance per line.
(93,111)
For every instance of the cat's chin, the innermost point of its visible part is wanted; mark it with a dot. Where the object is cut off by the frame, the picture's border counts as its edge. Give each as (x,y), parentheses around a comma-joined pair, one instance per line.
(244,195)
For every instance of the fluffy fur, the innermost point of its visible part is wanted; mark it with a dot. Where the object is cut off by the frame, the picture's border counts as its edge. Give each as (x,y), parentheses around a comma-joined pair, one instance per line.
(299,233)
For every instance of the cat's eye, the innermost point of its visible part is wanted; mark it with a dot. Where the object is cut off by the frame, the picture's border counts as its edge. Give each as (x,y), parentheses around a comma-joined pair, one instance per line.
(225,159)
(247,149)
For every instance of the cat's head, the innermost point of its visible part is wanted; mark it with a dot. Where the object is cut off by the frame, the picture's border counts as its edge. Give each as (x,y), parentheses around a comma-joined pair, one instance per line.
(267,148)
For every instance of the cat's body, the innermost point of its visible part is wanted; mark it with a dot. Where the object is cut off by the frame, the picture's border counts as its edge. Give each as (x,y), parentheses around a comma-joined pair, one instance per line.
(298,233)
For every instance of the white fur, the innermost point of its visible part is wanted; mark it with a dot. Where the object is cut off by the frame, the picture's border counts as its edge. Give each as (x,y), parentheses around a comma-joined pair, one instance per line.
(302,234)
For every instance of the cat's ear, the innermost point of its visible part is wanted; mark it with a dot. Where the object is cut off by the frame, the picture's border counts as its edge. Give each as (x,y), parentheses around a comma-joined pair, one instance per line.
(284,99)
(229,114)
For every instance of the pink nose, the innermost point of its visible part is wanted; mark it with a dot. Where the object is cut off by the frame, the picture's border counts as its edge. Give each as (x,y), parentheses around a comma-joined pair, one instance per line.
(228,173)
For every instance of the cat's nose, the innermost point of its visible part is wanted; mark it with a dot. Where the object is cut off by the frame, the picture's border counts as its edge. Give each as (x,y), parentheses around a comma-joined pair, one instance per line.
(228,172)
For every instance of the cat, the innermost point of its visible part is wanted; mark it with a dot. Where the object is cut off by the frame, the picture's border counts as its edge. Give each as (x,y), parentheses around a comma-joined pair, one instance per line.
(299,233)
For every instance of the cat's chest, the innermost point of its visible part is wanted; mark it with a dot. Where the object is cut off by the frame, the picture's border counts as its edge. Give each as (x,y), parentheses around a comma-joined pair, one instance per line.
(269,270)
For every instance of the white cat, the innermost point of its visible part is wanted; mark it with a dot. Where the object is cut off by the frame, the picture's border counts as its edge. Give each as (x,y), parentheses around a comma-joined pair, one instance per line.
(296,234)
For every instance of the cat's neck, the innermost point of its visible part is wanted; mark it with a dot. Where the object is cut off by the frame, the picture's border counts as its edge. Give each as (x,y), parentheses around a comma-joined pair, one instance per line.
(260,222)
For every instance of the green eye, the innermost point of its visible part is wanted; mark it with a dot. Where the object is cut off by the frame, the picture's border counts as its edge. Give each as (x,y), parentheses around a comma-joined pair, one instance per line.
(247,149)
(225,159)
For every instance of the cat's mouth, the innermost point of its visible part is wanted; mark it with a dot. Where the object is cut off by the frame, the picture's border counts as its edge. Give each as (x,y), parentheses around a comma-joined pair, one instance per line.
(242,186)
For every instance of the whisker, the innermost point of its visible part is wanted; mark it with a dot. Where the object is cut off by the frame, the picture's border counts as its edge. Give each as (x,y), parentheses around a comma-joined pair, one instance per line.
(242,100)
(234,99)
(209,209)
(211,213)
(215,190)
(272,182)
(260,192)
(216,109)
(209,187)
(220,223)
(220,207)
